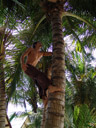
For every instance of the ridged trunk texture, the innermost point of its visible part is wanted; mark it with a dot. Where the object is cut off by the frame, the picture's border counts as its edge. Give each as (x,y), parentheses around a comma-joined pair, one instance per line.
(56,102)
(49,74)
(2,97)
(43,118)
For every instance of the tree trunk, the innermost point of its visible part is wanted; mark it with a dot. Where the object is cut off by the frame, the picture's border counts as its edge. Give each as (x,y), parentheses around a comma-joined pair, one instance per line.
(43,118)
(56,101)
(49,74)
(2,97)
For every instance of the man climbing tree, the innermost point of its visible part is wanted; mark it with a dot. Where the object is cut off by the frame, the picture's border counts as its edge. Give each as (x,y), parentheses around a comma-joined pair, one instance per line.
(33,56)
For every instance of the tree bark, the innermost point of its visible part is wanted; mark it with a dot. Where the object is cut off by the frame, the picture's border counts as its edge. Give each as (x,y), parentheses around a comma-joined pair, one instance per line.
(49,74)
(2,88)
(56,101)
(2,97)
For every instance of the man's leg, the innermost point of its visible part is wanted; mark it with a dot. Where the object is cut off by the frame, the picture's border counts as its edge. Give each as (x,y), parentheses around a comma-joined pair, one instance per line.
(42,80)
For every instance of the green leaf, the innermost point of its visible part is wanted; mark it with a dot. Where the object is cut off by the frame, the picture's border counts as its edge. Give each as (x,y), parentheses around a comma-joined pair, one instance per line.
(79,18)
(93,74)
(36,27)
(78,46)
(12,116)
(73,42)
(20,4)
(76,112)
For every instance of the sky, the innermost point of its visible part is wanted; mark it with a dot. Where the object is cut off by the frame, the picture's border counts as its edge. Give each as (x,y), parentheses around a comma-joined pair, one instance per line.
(16,122)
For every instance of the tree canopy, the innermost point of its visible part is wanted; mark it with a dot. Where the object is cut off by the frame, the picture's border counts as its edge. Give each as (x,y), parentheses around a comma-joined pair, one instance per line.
(28,21)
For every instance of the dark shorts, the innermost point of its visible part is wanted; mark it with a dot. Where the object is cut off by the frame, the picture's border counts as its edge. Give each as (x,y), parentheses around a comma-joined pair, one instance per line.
(39,77)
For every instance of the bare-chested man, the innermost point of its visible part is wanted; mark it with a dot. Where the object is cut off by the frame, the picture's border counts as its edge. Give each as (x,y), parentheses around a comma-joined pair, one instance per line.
(33,56)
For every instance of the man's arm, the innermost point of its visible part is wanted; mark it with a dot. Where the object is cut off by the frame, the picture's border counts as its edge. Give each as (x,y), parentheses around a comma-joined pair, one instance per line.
(25,54)
(46,53)
(23,65)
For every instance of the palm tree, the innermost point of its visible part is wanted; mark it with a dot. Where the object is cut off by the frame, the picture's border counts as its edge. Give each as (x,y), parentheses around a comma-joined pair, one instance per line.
(3,39)
(87,7)
(54,11)
(55,109)
(2,96)
(84,117)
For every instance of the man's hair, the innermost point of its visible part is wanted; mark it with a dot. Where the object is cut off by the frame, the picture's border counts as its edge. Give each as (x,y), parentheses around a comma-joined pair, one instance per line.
(34,44)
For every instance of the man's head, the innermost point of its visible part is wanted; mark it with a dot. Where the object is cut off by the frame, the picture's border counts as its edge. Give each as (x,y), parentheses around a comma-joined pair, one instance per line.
(37,45)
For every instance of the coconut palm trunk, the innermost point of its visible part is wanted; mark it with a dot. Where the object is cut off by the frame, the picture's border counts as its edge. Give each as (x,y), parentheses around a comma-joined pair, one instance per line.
(3,39)
(2,97)
(55,109)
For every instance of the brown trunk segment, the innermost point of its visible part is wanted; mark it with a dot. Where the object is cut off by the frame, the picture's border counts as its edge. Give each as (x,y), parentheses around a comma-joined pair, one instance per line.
(55,110)
(2,98)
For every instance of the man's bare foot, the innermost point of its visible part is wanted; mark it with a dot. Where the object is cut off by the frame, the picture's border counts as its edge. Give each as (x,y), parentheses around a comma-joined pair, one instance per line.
(52,89)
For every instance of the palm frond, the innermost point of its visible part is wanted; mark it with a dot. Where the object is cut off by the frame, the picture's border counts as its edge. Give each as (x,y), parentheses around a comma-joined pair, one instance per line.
(40,21)
(16,77)
(79,18)
(20,4)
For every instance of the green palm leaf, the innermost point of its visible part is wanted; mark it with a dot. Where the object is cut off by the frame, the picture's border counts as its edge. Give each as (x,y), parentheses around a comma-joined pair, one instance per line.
(20,4)
(79,18)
